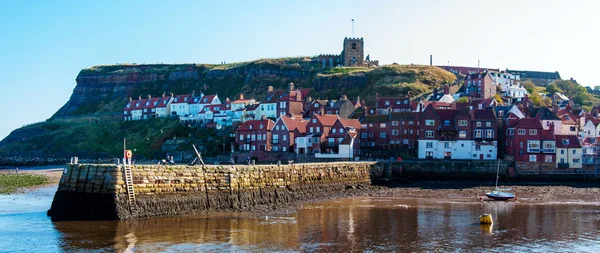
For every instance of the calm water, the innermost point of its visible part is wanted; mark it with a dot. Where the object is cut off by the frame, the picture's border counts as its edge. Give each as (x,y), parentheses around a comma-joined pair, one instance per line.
(358,224)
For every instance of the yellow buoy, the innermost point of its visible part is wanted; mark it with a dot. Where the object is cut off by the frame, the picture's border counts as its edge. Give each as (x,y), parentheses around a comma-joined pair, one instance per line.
(486,219)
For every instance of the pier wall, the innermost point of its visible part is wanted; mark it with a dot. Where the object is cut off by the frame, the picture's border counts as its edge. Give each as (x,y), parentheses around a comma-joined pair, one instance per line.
(97,191)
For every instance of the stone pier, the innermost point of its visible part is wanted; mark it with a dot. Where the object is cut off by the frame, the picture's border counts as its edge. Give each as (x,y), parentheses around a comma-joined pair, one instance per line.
(97,191)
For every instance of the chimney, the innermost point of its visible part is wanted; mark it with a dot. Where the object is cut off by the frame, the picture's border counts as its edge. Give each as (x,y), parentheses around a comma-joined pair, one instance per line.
(163,95)
(130,99)
(140,97)
(376,96)
(344,97)
(263,117)
(430,60)
(551,127)
(227,100)
(435,94)
(408,94)
(446,89)
(149,97)
(291,86)
(193,93)
(309,99)
(241,96)
(172,94)
(298,95)
(270,89)
(554,107)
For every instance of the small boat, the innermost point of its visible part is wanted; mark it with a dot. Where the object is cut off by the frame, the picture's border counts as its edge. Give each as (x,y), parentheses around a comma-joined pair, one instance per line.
(500,194)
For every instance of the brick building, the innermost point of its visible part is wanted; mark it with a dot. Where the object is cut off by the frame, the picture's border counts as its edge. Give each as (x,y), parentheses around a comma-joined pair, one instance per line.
(254,135)
(285,131)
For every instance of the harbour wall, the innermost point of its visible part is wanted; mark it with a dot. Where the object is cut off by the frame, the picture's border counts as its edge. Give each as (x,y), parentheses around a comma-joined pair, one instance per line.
(448,169)
(98,191)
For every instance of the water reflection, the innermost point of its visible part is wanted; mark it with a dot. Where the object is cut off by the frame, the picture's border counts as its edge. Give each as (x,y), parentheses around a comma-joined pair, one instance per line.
(357,224)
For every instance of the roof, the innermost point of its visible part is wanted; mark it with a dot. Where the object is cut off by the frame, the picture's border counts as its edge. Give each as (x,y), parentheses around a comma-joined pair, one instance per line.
(449,115)
(571,141)
(273,96)
(327,119)
(256,125)
(138,104)
(446,98)
(252,107)
(530,123)
(595,121)
(350,123)
(129,106)
(207,99)
(483,114)
(476,75)
(151,103)
(543,113)
(465,70)
(294,123)
(535,74)
(182,99)
(164,101)
(394,102)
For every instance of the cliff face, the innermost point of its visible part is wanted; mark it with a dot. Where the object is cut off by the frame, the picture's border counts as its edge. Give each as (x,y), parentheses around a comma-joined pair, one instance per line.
(105,89)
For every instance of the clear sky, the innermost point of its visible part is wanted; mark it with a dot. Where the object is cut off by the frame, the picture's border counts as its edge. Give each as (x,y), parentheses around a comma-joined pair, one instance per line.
(44,44)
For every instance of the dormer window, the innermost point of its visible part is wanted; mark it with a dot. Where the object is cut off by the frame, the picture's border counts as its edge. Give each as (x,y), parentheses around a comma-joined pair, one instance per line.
(446,122)
(205,100)
(128,105)
(397,102)
(261,126)
(387,102)
(567,117)
(185,99)
(565,141)
(316,104)
(250,126)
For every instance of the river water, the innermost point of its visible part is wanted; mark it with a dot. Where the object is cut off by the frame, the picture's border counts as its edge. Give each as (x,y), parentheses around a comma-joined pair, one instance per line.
(353,224)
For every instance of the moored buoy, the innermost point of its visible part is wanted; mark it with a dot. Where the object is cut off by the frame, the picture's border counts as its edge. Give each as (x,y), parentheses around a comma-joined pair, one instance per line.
(486,219)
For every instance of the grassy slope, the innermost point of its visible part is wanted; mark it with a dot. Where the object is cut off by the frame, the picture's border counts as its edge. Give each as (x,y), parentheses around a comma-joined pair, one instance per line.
(9,183)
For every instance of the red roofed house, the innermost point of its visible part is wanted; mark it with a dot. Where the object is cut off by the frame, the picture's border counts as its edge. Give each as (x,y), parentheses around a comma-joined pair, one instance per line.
(137,108)
(342,141)
(401,104)
(568,152)
(128,108)
(163,109)
(291,103)
(149,108)
(180,105)
(527,141)
(480,85)
(254,135)
(285,132)
(193,104)
(318,128)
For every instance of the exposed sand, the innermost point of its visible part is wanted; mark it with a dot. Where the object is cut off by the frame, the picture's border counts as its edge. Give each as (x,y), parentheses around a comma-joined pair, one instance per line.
(53,172)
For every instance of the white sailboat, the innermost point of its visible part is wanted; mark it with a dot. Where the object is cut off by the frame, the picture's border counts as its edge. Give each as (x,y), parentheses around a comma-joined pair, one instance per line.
(500,194)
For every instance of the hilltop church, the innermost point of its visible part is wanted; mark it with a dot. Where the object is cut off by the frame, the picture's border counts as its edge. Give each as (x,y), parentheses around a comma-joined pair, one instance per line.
(352,55)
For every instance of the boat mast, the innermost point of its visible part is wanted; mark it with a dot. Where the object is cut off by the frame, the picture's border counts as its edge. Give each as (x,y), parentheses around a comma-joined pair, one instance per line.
(497,169)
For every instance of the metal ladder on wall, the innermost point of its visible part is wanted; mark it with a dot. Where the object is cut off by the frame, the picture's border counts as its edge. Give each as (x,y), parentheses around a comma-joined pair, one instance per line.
(129,185)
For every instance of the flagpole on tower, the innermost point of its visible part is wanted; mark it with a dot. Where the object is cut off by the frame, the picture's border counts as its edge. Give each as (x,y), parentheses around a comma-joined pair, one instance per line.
(352,28)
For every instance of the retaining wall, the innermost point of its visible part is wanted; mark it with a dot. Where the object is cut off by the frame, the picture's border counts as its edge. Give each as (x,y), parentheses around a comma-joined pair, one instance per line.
(92,191)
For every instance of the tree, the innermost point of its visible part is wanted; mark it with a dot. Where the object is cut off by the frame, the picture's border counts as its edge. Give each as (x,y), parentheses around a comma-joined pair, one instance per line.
(552,88)
(529,86)
(462,100)
(596,88)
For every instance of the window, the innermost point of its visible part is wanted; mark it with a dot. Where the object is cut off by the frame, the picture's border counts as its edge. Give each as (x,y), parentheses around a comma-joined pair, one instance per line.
(241,137)
(411,122)
(562,151)
(446,122)
(521,131)
(565,141)
(253,147)
(394,123)
(489,133)
(318,129)
(333,130)
(405,141)
(532,131)
(574,151)
(276,127)
(387,102)
(284,137)
(250,126)
(549,146)
(363,135)
(353,45)
(314,120)
(521,145)
(478,133)
(533,146)
(548,158)
(382,125)
(264,137)
(382,134)
(462,134)
(311,129)
(572,129)
(533,158)
(259,137)
(341,130)
(488,124)
(478,123)
(575,160)
(510,131)
(395,132)
(462,123)
(429,122)
(477,147)
(429,134)
(447,145)
(429,144)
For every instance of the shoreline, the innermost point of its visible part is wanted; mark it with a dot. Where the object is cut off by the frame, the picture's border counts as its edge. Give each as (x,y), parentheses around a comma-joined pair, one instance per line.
(52,172)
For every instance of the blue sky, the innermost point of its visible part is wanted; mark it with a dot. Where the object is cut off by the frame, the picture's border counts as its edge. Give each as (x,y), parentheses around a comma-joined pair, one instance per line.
(44,44)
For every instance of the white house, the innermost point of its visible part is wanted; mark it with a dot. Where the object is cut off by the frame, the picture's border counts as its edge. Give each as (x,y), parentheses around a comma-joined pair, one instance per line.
(241,103)
(136,111)
(569,153)
(180,105)
(163,109)
(591,129)
(209,100)
(345,150)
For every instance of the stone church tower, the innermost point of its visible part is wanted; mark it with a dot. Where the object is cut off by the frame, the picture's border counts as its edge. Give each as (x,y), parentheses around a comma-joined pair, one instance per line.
(353,54)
